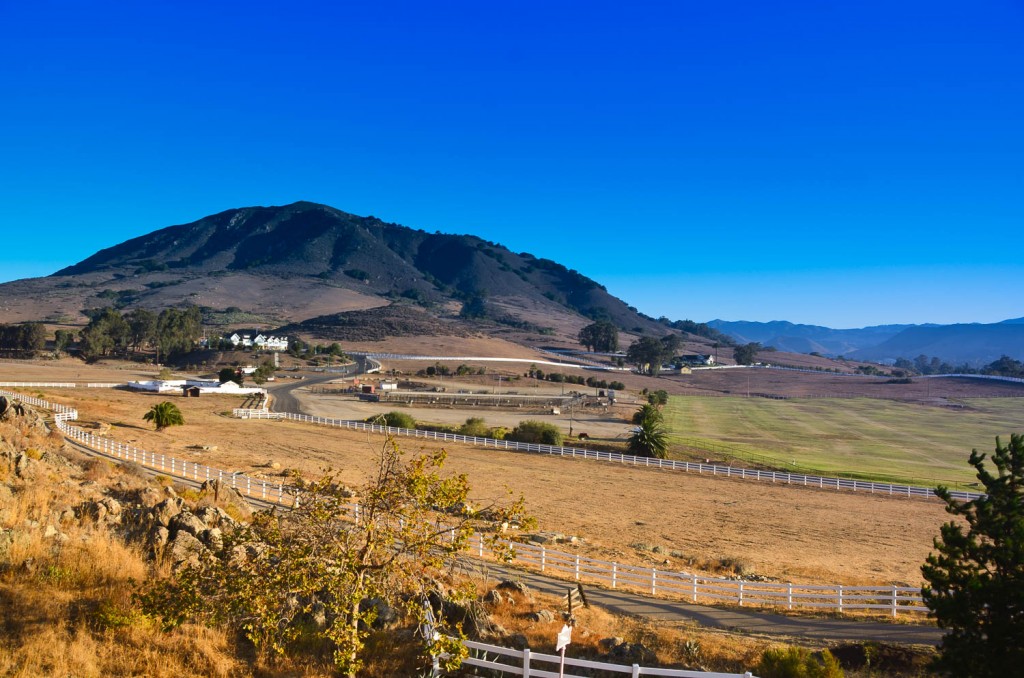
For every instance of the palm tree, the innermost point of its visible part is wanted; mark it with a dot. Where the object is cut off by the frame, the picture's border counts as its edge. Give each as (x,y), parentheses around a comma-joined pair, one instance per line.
(164,414)
(650,437)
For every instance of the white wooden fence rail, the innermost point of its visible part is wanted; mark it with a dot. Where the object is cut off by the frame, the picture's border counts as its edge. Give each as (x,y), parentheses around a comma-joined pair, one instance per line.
(522,663)
(651,581)
(778,477)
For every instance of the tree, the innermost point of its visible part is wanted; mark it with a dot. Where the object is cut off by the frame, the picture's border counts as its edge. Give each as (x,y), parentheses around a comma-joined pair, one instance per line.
(746,354)
(107,332)
(62,339)
(975,579)
(163,415)
(177,330)
(305,577)
(227,374)
(600,336)
(650,437)
(141,328)
(648,353)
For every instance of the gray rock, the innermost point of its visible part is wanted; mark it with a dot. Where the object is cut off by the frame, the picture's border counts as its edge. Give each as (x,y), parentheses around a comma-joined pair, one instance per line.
(213,538)
(113,506)
(515,587)
(166,510)
(495,597)
(518,641)
(386,615)
(158,538)
(209,516)
(542,616)
(185,549)
(633,653)
(609,643)
(186,521)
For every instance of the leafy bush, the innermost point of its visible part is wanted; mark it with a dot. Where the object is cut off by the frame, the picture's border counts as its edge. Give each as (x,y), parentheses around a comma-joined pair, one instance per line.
(474,426)
(532,431)
(797,662)
(395,419)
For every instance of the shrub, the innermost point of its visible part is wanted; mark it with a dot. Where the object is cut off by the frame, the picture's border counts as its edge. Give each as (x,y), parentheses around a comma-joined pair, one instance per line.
(474,426)
(395,419)
(532,431)
(797,662)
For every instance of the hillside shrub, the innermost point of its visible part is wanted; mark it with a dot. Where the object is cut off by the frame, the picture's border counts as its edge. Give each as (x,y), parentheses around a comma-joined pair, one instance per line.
(475,426)
(797,662)
(393,418)
(533,431)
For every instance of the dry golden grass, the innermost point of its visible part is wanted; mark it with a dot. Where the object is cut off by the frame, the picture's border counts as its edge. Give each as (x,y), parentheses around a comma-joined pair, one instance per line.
(793,534)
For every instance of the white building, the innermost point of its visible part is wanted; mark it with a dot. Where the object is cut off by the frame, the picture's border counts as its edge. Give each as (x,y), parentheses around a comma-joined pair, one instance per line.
(260,341)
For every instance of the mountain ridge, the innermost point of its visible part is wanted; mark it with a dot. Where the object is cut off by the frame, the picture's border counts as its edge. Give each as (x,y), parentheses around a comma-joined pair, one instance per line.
(362,261)
(974,344)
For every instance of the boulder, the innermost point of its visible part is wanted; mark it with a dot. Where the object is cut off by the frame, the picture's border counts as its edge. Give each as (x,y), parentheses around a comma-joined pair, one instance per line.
(186,521)
(166,510)
(386,615)
(185,549)
(495,597)
(158,538)
(213,538)
(541,616)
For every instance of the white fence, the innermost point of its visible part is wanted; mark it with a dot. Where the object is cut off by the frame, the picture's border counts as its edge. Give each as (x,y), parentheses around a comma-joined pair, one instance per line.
(255,488)
(651,581)
(521,663)
(681,585)
(777,477)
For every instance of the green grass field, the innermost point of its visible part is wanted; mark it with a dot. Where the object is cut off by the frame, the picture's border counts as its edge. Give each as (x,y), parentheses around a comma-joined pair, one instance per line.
(861,437)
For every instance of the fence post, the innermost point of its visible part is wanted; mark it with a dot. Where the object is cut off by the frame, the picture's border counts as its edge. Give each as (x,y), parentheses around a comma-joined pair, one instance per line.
(615,568)
(543,558)
(741,593)
(789,596)
(694,587)
(894,594)
(526,663)
(839,593)
(654,580)
(577,567)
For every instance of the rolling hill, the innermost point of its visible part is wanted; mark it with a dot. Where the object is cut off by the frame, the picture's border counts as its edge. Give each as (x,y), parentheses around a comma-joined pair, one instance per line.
(305,260)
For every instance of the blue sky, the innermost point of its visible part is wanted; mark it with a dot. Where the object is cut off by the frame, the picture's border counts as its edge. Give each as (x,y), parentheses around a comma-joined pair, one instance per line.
(844,165)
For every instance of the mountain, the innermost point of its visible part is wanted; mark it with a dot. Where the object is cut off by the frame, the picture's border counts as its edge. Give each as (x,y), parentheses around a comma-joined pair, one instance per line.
(305,260)
(787,336)
(973,344)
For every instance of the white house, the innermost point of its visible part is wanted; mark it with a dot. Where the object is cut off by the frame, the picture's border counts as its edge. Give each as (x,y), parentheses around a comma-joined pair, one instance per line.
(204,386)
(260,341)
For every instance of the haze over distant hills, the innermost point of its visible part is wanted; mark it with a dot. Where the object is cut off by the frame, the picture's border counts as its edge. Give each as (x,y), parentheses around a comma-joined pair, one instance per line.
(974,344)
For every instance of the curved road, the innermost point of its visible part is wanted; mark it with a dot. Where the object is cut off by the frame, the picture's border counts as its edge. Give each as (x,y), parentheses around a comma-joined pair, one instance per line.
(744,620)
(281,398)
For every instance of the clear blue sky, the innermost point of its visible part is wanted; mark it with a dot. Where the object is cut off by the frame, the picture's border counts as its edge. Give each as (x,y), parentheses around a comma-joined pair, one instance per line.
(842,164)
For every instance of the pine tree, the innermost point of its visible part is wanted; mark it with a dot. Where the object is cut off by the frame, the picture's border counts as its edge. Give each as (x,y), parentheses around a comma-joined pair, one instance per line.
(975,586)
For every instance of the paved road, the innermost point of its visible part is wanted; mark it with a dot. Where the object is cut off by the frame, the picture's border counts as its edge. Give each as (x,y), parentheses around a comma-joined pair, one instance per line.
(281,398)
(744,620)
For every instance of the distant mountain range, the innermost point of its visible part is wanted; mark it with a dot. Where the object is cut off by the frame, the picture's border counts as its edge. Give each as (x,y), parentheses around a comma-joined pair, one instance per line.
(972,344)
(302,261)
